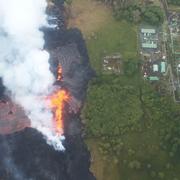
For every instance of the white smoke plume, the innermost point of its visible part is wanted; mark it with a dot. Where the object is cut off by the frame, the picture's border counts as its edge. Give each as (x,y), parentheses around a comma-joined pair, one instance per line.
(24,65)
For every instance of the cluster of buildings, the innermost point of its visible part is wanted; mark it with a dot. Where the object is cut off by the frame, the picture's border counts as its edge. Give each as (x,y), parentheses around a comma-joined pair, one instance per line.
(154,70)
(160,54)
(149,38)
(113,64)
(153,54)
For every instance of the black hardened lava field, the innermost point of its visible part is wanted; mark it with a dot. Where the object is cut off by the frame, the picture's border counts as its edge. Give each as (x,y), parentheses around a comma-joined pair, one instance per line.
(25,155)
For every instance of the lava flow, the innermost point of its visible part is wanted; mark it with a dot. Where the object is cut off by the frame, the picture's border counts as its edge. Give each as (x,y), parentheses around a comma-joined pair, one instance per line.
(59,73)
(57,101)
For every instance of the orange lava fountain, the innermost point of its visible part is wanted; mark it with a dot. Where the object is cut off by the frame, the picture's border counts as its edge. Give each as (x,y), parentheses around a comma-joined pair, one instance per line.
(57,101)
(59,73)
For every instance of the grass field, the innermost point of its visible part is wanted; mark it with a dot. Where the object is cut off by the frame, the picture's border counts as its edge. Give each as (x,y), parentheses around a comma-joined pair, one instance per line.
(174,8)
(113,37)
(104,35)
(88,15)
(103,170)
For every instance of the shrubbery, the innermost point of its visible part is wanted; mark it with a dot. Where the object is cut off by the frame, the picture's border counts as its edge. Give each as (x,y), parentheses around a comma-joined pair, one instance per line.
(174,2)
(136,13)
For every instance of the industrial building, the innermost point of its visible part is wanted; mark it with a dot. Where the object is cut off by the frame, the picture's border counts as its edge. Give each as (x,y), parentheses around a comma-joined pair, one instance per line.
(153,53)
(153,71)
(149,39)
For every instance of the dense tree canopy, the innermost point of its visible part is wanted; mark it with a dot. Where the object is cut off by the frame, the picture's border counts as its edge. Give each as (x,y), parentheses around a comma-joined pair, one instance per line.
(111,106)
(153,15)
(137,126)
(118,3)
(130,67)
(132,11)
(174,2)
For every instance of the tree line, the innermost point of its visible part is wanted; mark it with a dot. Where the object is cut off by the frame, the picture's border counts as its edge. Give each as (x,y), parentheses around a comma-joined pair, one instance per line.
(132,11)
(174,2)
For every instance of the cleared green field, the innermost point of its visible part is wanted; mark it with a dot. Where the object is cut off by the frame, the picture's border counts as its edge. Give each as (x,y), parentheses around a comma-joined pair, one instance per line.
(103,170)
(103,35)
(113,37)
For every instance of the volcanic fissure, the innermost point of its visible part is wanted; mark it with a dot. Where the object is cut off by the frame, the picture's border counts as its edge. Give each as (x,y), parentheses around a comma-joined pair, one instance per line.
(56,88)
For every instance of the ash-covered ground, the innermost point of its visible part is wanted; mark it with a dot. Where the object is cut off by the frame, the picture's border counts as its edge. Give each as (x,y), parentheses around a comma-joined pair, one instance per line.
(25,155)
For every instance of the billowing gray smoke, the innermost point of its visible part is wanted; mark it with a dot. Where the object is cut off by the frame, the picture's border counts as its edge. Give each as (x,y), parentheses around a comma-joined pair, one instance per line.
(24,65)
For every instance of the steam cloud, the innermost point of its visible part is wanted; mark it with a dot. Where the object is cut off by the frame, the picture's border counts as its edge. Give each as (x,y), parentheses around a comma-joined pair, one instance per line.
(24,65)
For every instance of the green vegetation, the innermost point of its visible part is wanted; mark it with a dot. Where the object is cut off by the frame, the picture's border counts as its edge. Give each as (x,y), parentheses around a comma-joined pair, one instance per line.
(80,16)
(135,128)
(131,130)
(172,7)
(174,2)
(105,112)
(111,38)
(130,67)
(153,15)
(69,2)
(136,12)
(131,13)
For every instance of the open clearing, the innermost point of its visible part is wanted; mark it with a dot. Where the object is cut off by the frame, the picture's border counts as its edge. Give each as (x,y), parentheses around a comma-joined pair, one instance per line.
(174,8)
(89,16)
(104,36)
(114,37)
(102,170)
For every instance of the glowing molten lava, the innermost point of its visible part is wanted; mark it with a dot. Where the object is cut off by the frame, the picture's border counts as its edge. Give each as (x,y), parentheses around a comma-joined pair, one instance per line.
(57,101)
(59,73)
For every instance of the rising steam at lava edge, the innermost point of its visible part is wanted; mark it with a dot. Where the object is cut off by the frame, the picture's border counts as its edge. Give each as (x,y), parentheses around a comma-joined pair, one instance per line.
(25,69)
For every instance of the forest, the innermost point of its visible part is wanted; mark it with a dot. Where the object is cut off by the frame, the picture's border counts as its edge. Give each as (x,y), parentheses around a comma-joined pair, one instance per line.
(138,127)
(136,12)
(174,2)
